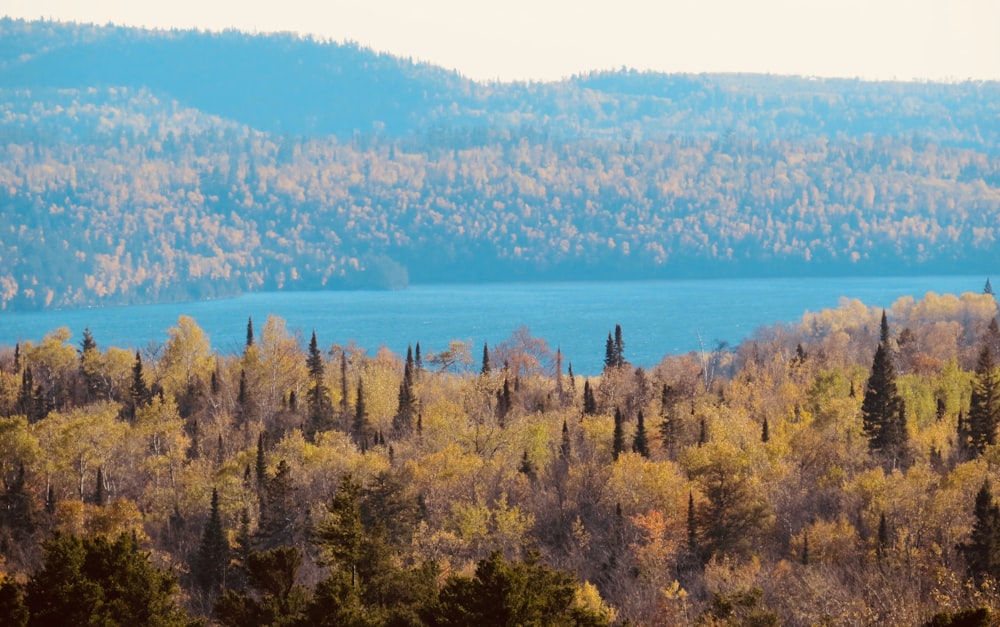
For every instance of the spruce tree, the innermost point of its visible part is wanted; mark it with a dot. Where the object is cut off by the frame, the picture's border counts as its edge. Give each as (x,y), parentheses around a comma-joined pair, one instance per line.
(618,441)
(692,528)
(485,369)
(402,422)
(320,410)
(91,380)
(984,406)
(343,383)
(100,493)
(249,332)
(880,406)
(765,432)
(361,428)
(589,402)
(619,347)
(209,568)
(640,444)
(17,509)
(982,550)
(609,353)
(278,509)
(138,392)
(565,448)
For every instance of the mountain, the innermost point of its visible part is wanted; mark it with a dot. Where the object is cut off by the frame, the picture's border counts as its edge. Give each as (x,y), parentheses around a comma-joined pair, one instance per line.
(140,166)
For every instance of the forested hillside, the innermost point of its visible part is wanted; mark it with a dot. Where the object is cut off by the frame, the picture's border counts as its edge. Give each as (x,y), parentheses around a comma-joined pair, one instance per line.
(841,470)
(140,166)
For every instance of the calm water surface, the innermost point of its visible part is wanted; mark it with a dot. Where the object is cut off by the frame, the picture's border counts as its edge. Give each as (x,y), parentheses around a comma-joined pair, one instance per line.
(657,317)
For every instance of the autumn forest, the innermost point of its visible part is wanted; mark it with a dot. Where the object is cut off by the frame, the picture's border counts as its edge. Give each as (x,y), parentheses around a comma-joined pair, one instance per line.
(131,172)
(843,469)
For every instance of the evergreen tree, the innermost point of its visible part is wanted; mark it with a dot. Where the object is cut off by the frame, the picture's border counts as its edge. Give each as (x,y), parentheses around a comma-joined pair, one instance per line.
(512,593)
(609,353)
(406,409)
(485,369)
(343,383)
(765,432)
(320,410)
(805,549)
(640,443)
(278,509)
(702,431)
(883,333)
(527,468)
(100,492)
(17,508)
(982,550)
(618,441)
(26,396)
(506,402)
(988,288)
(249,332)
(417,361)
(88,369)
(209,568)
(99,581)
(243,401)
(589,402)
(138,391)
(880,405)
(984,406)
(565,448)
(692,527)
(883,536)
(361,426)
(619,347)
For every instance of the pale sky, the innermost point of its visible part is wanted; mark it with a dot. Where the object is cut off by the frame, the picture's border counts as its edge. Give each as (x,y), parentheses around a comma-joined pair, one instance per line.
(553,39)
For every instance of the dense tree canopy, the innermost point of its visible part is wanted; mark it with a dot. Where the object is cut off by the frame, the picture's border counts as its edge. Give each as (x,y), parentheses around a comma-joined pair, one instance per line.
(576,507)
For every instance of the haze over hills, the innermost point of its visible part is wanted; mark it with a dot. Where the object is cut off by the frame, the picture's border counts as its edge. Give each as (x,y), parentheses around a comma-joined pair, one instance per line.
(141,165)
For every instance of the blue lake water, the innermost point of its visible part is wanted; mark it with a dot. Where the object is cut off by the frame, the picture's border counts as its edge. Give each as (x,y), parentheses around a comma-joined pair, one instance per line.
(657,317)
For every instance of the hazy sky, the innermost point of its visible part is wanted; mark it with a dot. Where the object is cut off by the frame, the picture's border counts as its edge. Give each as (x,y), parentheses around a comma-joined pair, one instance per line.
(552,39)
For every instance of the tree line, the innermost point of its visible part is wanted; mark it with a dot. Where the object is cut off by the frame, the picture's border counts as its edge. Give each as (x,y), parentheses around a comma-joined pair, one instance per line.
(840,469)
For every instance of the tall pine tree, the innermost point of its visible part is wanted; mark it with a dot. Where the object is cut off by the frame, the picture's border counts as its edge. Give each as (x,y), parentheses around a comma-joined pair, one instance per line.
(984,406)
(618,439)
(209,568)
(880,408)
(320,408)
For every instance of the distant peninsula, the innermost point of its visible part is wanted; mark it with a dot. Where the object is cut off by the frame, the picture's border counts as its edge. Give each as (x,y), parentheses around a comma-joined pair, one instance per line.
(147,166)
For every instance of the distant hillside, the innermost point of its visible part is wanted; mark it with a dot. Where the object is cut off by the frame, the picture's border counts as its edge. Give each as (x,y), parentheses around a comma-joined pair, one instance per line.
(145,165)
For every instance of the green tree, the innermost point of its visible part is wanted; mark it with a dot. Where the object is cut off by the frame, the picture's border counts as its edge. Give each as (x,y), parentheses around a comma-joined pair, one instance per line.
(618,437)
(273,598)
(640,443)
(982,550)
(406,409)
(279,511)
(320,408)
(485,369)
(138,390)
(984,406)
(880,408)
(512,594)
(17,507)
(98,581)
(212,559)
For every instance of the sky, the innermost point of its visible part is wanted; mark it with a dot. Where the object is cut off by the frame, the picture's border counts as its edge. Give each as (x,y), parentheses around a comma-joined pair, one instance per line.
(524,40)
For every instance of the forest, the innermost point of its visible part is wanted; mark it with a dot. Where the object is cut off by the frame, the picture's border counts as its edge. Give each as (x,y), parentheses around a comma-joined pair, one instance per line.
(131,174)
(838,470)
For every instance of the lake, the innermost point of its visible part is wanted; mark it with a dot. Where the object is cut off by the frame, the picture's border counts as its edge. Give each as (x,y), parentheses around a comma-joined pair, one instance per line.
(657,317)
